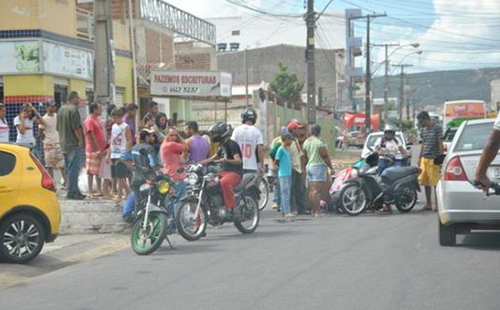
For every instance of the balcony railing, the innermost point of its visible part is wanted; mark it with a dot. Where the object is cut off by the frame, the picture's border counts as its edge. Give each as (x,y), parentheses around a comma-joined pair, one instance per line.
(85,24)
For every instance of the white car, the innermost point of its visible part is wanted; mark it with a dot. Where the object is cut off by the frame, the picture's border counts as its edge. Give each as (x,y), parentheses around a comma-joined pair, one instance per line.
(374,136)
(461,206)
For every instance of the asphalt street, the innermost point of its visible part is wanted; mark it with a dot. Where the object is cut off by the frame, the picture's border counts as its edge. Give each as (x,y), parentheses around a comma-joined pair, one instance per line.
(374,261)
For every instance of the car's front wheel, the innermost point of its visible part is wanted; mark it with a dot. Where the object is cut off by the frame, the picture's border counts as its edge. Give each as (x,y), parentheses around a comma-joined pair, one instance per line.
(447,235)
(21,238)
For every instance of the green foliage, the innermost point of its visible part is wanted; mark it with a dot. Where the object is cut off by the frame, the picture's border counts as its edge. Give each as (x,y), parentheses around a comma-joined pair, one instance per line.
(405,125)
(286,85)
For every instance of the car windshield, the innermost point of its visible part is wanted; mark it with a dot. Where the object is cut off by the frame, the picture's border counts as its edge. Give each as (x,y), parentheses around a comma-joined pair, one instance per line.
(371,141)
(449,135)
(474,137)
(373,138)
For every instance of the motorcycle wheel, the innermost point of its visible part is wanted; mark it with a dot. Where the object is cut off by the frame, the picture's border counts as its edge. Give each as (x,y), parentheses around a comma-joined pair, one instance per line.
(353,199)
(189,227)
(250,216)
(146,241)
(406,198)
(264,193)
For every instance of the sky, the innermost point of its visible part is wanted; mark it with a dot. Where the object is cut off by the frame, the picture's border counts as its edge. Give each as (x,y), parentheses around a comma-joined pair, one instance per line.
(453,34)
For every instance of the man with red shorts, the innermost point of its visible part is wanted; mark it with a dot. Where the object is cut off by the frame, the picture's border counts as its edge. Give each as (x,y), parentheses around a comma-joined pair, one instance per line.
(229,156)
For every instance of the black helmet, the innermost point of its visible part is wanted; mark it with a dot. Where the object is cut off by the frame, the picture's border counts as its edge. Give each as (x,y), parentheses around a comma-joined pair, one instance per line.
(249,115)
(219,131)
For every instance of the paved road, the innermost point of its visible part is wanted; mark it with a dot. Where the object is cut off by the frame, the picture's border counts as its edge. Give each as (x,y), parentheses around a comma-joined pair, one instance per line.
(374,261)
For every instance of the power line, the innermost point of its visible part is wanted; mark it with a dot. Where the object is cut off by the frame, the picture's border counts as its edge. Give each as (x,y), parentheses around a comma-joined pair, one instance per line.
(323,11)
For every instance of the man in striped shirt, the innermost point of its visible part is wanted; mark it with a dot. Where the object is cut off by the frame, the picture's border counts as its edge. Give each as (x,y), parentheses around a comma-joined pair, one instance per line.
(432,146)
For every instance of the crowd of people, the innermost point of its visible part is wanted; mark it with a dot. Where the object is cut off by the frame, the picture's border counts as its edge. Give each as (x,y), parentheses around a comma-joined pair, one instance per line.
(113,147)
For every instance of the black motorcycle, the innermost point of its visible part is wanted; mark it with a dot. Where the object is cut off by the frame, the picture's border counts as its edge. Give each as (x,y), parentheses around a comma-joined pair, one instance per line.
(395,186)
(204,203)
(154,217)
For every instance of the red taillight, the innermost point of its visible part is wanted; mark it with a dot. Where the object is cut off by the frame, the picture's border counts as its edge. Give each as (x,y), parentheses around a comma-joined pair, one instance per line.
(455,171)
(47,181)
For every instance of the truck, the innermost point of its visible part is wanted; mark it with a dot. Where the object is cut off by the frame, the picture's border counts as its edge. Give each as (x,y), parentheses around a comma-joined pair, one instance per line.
(455,112)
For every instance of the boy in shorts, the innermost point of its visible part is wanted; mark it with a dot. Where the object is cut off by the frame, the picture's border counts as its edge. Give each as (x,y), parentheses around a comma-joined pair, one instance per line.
(121,144)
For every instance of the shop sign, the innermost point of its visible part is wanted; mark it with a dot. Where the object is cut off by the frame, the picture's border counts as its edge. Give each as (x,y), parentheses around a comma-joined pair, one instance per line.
(19,57)
(191,83)
(67,61)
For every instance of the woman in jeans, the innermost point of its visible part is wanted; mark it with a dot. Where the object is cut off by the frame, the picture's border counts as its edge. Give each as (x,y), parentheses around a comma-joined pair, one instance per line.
(318,161)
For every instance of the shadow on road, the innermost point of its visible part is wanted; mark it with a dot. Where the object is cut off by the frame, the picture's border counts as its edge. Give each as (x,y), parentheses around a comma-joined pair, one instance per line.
(484,241)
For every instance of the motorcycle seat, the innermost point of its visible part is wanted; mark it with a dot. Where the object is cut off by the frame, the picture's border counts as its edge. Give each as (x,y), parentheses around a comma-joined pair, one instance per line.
(248,178)
(398,173)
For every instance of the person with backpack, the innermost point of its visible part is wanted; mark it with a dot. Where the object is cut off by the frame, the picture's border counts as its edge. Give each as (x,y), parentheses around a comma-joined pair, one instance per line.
(388,144)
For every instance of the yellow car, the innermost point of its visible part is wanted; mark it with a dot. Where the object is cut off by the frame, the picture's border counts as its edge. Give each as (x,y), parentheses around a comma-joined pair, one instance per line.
(29,209)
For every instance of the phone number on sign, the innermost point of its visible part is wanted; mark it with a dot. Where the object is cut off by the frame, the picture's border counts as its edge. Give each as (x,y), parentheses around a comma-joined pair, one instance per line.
(182,90)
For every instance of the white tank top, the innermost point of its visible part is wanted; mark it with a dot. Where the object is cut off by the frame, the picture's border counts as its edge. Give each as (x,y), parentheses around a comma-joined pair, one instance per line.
(118,140)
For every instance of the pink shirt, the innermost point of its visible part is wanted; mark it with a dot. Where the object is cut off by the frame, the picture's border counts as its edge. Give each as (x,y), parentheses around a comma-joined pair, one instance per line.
(171,156)
(93,125)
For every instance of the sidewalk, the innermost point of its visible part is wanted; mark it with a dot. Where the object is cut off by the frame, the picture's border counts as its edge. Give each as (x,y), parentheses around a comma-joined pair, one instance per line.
(65,251)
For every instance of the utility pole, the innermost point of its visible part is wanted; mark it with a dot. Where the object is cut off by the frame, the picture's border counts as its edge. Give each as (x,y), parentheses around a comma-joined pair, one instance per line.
(247,103)
(408,109)
(104,75)
(401,90)
(311,74)
(386,77)
(368,106)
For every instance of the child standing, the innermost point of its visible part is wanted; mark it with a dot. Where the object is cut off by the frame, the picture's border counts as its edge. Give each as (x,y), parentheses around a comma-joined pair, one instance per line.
(283,160)
(121,144)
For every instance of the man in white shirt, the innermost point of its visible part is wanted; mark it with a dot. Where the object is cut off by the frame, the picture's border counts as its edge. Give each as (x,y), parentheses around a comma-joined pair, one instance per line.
(490,152)
(4,126)
(388,144)
(54,158)
(251,142)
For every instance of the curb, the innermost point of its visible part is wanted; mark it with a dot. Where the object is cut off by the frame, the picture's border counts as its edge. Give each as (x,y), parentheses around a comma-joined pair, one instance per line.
(91,216)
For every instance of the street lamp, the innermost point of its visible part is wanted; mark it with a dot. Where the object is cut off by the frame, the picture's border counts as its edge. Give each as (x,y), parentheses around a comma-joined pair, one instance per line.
(419,52)
(387,56)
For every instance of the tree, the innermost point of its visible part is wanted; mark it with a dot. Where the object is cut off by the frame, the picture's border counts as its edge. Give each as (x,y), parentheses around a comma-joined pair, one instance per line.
(286,85)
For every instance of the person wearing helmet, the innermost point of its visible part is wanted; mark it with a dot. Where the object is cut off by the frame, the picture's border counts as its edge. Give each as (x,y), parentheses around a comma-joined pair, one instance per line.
(229,156)
(388,144)
(251,142)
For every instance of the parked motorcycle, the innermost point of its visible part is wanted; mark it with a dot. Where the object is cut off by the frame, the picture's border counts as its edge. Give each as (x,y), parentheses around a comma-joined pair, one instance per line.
(339,181)
(396,186)
(151,223)
(204,203)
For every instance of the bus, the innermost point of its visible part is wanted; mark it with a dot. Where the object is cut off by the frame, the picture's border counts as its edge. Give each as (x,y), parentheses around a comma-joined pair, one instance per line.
(455,112)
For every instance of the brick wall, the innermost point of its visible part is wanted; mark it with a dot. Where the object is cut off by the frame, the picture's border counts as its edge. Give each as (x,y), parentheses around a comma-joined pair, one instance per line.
(193,62)
(159,47)
(119,8)
(188,56)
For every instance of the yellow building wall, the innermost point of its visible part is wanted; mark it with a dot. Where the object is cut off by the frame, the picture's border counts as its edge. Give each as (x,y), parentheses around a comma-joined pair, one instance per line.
(78,86)
(50,15)
(19,85)
(123,77)
(121,35)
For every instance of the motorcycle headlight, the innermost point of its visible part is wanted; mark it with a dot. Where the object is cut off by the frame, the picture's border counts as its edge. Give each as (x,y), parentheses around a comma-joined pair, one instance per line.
(163,187)
(192,179)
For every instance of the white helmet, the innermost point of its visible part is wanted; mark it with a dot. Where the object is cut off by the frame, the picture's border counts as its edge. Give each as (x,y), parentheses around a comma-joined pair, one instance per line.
(389,127)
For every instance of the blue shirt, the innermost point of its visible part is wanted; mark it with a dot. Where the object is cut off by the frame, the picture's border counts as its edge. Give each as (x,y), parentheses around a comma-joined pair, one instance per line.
(285,162)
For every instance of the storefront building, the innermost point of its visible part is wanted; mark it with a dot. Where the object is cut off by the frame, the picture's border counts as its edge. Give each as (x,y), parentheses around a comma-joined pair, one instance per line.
(46,51)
